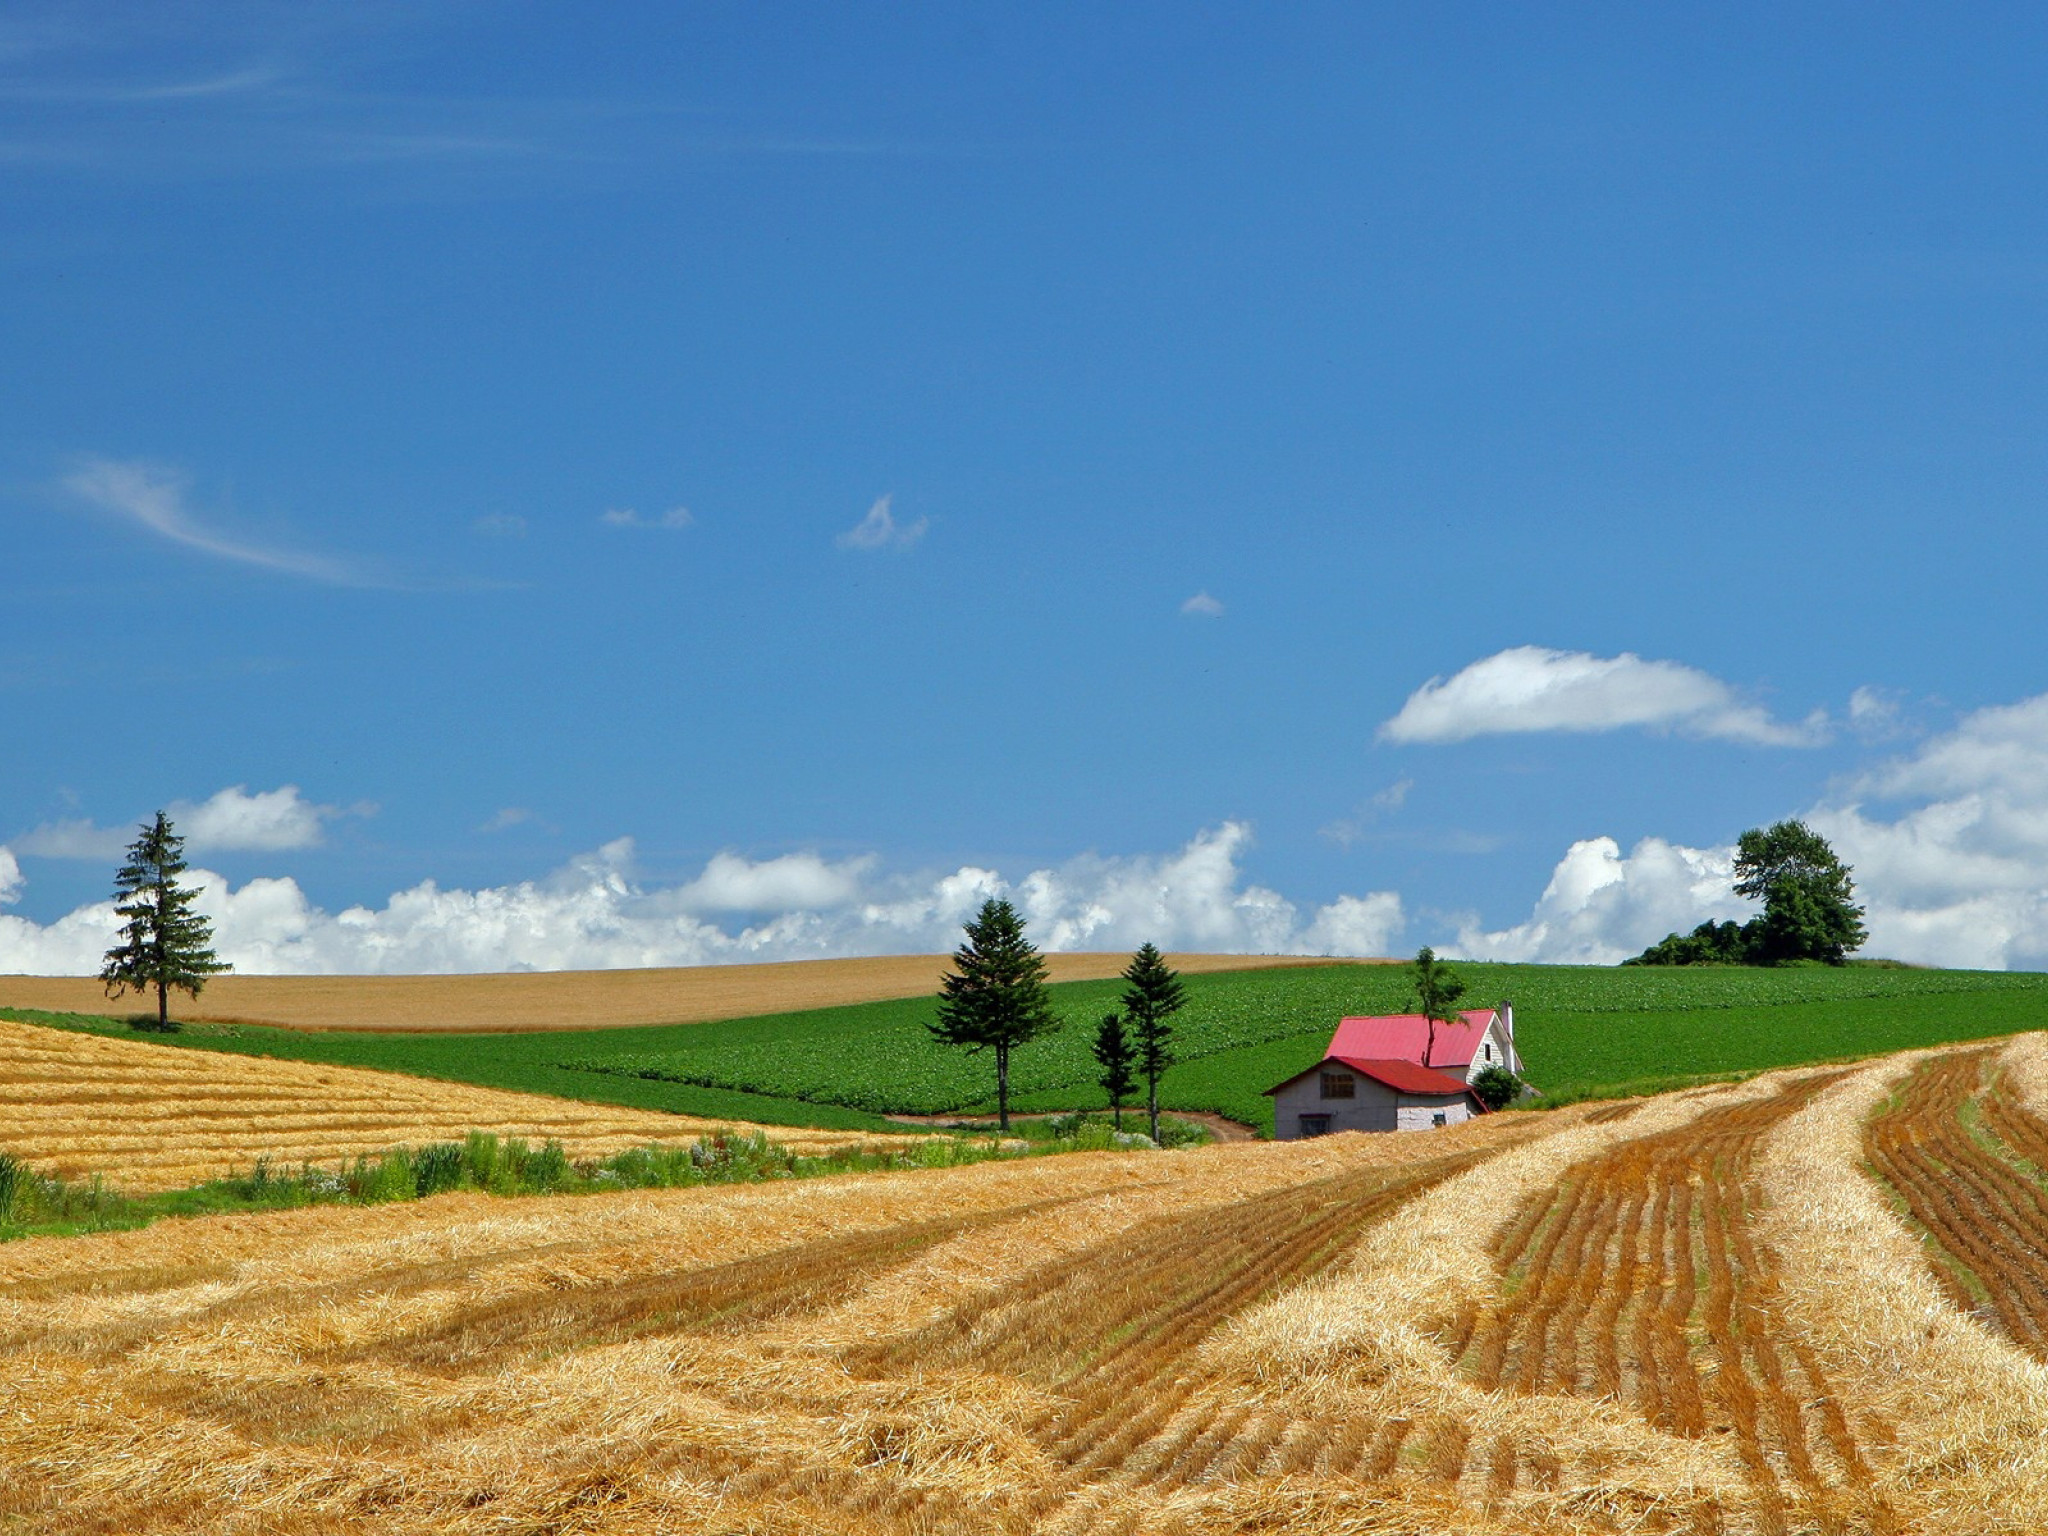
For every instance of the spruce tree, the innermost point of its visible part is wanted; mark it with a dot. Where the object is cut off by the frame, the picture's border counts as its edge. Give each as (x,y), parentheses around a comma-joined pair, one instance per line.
(1113,1053)
(1153,994)
(994,997)
(164,943)
(1438,989)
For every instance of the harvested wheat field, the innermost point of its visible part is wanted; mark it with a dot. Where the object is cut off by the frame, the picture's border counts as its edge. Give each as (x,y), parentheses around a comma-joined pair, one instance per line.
(530,1000)
(1696,1313)
(145,1118)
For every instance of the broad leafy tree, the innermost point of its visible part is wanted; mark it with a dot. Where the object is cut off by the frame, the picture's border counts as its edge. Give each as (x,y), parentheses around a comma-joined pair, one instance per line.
(164,942)
(1810,910)
(1118,1058)
(1437,989)
(994,997)
(1153,994)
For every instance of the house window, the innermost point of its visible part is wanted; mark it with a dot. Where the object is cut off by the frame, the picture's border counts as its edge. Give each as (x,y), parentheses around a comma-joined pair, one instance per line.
(1489,1050)
(1441,1117)
(1315,1125)
(1339,1085)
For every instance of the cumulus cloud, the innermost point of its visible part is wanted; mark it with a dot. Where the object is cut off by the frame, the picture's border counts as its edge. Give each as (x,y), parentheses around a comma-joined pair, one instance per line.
(1529,688)
(1202,606)
(880,530)
(1600,906)
(1948,844)
(155,497)
(626,517)
(230,821)
(595,913)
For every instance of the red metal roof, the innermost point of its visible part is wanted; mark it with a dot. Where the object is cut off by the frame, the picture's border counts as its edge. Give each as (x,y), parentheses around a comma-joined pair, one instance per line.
(1404,1076)
(1403,1036)
(1401,1076)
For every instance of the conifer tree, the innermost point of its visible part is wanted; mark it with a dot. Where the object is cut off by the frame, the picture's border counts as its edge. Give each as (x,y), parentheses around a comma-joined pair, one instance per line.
(1153,994)
(994,997)
(164,943)
(1113,1053)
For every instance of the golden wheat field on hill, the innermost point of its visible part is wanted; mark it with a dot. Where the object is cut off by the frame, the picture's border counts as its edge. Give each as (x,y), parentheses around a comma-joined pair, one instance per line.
(1813,1302)
(530,1000)
(144,1118)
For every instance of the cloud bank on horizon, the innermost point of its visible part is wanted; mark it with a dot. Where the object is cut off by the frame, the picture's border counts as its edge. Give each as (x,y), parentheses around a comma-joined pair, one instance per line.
(593,914)
(1532,688)
(1948,843)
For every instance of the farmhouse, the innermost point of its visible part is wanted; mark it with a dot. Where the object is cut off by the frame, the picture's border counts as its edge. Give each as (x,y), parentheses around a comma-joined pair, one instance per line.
(1385,1074)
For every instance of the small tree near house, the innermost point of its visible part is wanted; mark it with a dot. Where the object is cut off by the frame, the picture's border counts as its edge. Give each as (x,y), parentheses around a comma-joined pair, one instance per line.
(1153,994)
(1438,989)
(164,943)
(1117,1057)
(994,997)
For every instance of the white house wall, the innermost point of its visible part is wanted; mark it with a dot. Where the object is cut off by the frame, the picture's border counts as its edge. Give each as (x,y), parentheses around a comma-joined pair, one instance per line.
(1376,1107)
(1372,1110)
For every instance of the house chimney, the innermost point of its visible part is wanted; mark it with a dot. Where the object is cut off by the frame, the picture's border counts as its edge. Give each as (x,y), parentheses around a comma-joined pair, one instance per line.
(1506,1010)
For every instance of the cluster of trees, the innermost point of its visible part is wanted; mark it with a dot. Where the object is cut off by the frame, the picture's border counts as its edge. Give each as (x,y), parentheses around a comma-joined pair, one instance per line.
(1809,914)
(994,1000)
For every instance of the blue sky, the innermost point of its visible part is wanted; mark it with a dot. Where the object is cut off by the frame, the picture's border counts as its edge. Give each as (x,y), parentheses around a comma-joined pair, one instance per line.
(867,455)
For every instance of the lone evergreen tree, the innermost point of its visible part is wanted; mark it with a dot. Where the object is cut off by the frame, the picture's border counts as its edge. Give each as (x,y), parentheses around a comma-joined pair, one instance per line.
(163,943)
(994,997)
(1438,989)
(1153,994)
(1113,1053)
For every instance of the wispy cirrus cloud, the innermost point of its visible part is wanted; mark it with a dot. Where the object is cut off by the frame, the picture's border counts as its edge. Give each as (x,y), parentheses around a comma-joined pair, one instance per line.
(154,497)
(626,517)
(880,530)
(1529,688)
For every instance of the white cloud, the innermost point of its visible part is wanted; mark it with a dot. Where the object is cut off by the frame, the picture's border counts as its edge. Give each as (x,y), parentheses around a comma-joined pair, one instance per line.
(155,497)
(510,816)
(1948,845)
(626,517)
(1202,606)
(10,878)
(793,883)
(501,525)
(230,821)
(1530,688)
(594,913)
(880,530)
(1600,907)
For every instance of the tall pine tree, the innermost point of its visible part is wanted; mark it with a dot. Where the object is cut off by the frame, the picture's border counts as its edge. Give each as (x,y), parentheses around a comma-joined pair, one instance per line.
(1153,994)
(164,943)
(994,997)
(1113,1053)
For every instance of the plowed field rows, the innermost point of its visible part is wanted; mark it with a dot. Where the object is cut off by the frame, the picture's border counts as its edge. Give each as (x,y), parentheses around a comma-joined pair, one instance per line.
(1977,1189)
(1568,1322)
(147,1118)
(1641,1281)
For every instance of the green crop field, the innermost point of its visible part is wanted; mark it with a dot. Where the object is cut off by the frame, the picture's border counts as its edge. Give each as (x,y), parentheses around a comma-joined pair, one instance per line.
(1584,1031)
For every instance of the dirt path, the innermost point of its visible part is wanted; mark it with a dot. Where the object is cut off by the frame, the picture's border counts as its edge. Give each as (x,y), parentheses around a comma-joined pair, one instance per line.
(1220,1127)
